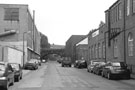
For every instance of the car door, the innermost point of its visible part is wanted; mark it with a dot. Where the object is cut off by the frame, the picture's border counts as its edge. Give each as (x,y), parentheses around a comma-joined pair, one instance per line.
(106,68)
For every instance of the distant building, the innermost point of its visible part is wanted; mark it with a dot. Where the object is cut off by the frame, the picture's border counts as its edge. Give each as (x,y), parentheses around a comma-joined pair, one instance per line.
(17,29)
(82,49)
(70,48)
(53,46)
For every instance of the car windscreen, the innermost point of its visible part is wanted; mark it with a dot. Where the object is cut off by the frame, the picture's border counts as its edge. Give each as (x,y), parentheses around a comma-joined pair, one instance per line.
(2,67)
(15,66)
(93,63)
(116,64)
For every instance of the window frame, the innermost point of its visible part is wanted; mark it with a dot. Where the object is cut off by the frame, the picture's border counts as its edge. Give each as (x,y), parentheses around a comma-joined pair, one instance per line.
(130,44)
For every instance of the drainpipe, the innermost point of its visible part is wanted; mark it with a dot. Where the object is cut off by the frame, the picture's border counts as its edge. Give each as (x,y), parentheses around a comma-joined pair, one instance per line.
(109,28)
(124,23)
(105,44)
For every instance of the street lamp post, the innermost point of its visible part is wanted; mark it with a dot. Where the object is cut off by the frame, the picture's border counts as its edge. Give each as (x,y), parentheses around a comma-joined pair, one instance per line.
(23,47)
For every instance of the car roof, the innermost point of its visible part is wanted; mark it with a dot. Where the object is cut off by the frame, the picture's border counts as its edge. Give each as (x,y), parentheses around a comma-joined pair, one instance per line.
(4,63)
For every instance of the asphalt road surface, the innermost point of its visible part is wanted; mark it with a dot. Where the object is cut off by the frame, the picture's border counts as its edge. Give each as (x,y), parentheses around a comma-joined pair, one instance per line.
(51,76)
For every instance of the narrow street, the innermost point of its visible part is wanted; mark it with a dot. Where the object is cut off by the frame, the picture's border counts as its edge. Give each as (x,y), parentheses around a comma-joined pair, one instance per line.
(51,76)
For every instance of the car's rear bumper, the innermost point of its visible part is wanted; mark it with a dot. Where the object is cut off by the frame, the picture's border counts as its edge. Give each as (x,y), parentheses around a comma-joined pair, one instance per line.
(3,82)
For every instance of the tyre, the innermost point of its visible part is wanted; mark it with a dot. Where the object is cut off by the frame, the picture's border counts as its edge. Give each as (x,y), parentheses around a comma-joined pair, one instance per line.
(128,77)
(6,87)
(21,77)
(17,79)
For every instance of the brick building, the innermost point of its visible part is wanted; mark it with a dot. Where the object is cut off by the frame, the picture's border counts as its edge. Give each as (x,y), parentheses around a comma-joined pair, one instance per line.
(82,49)
(17,29)
(70,48)
(115,39)
(96,43)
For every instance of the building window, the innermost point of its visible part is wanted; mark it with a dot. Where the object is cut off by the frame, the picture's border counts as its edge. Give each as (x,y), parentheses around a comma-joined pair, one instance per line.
(96,51)
(103,49)
(130,44)
(128,7)
(133,6)
(115,48)
(120,11)
(99,50)
(11,14)
(90,52)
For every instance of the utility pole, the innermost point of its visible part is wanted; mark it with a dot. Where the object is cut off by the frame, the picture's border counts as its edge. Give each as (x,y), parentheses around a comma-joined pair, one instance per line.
(33,30)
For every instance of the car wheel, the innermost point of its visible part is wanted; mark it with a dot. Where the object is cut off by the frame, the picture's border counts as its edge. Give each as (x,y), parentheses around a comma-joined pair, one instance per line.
(6,87)
(21,77)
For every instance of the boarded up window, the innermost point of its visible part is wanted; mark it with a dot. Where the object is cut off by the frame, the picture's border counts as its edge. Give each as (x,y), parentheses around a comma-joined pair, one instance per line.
(11,14)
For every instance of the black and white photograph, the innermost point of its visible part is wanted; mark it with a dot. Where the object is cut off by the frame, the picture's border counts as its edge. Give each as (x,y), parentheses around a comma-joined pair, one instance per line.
(67,44)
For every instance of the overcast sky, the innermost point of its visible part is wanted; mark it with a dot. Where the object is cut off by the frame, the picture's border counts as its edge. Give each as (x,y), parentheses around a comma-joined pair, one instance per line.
(59,19)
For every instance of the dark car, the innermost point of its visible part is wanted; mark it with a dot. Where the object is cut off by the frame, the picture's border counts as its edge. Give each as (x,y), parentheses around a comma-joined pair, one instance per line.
(91,65)
(97,69)
(116,70)
(17,71)
(59,60)
(6,75)
(66,62)
(31,65)
(81,64)
(76,63)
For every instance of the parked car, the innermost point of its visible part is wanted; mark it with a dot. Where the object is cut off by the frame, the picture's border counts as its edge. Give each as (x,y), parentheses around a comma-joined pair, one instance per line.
(91,65)
(36,61)
(31,65)
(116,70)
(59,60)
(76,63)
(17,71)
(81,64)
(66,62)
(97,69)
(6,75)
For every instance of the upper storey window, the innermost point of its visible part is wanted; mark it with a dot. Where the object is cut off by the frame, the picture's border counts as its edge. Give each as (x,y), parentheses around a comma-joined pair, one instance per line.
(128,7)
(120,11)
(130,44)
(11,14)
(133,6)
